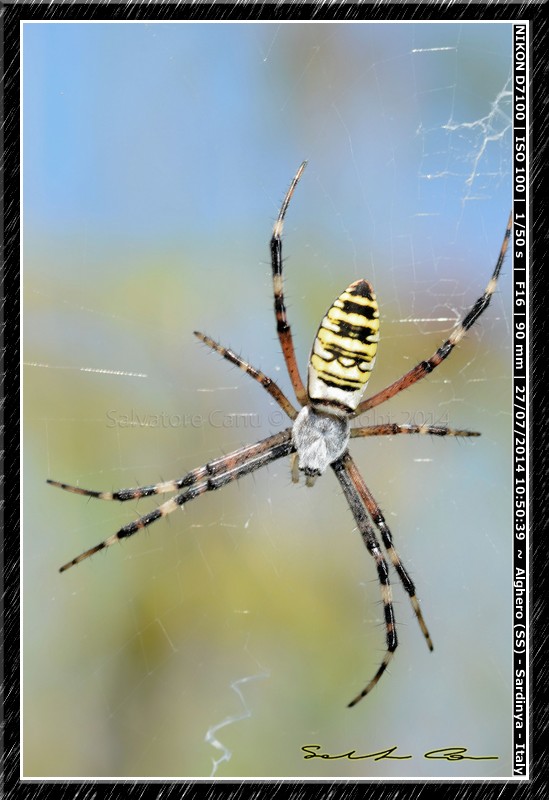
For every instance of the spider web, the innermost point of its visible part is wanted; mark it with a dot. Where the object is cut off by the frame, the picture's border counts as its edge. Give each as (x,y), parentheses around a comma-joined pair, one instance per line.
(223,639)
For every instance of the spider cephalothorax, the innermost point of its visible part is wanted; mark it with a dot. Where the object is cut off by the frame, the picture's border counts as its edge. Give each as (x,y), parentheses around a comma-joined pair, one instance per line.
(319,439)
(342,358)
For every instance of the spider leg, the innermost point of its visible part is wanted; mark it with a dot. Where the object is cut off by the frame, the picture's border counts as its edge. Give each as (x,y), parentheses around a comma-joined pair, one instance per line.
(425,367)
(346,479)
(391,429)
(379,521)
(204,479)
(268,384)
(282,326)
(229,462)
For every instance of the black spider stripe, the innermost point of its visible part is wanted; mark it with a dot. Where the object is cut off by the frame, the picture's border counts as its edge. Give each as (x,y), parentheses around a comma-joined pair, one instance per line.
(350,331)
(347,385)
(369,312)
(339,351)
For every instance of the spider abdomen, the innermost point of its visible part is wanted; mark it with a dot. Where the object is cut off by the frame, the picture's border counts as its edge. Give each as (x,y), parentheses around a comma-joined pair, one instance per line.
(344,350)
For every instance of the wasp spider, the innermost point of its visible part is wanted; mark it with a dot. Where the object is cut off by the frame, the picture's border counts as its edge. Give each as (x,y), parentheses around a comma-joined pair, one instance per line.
(341,361)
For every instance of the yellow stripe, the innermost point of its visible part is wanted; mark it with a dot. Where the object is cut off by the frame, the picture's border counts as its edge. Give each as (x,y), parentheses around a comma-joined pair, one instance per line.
(371,302)
(357,372)
(327,338)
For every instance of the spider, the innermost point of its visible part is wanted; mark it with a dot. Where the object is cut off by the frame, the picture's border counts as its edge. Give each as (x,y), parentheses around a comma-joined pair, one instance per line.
(340,364)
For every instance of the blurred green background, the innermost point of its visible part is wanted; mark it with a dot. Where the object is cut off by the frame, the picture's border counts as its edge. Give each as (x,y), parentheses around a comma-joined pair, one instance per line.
(236,631)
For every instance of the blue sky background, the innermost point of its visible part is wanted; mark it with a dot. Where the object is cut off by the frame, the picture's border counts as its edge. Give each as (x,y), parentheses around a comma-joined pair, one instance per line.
(155,159)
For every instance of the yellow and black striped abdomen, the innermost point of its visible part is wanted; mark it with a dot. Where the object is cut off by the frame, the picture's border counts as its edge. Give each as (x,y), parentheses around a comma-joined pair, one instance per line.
(344,350)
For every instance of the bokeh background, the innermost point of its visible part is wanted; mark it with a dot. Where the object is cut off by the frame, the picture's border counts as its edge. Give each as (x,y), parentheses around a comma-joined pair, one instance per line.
(225,638)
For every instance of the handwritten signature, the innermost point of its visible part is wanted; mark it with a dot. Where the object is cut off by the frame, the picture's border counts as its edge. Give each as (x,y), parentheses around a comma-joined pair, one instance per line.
(443,753)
